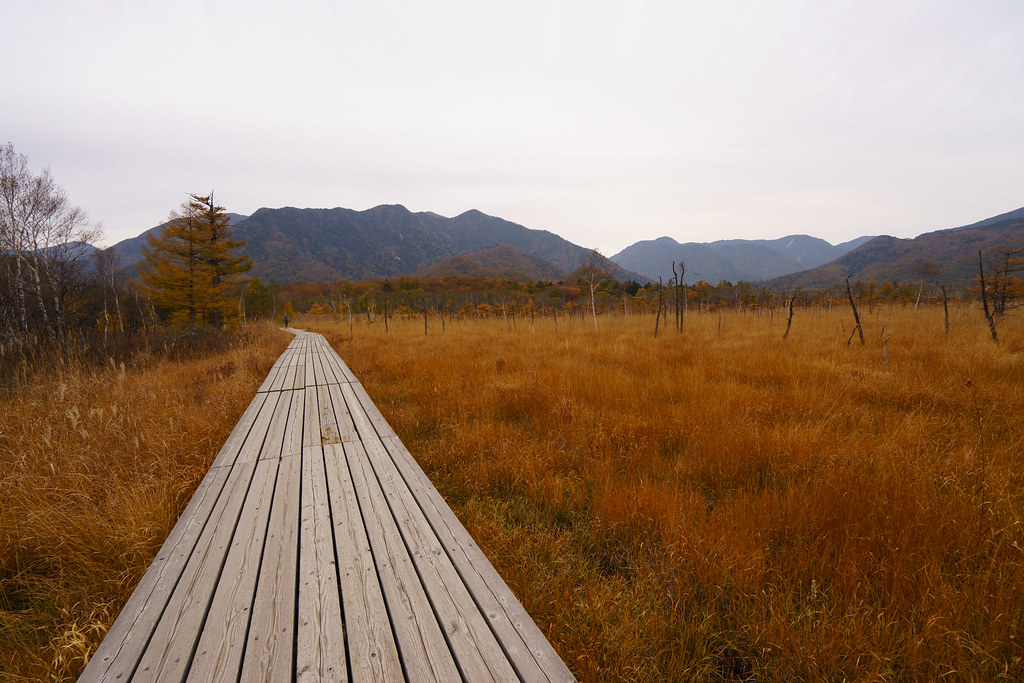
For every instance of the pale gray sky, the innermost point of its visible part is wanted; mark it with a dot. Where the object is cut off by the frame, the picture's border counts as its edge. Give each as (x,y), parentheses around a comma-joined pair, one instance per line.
(605,122)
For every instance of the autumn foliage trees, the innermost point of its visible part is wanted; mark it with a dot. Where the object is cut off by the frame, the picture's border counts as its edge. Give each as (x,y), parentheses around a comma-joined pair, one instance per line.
(190,268)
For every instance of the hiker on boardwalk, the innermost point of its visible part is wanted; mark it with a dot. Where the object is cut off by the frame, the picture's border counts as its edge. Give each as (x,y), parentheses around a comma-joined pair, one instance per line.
(286,322)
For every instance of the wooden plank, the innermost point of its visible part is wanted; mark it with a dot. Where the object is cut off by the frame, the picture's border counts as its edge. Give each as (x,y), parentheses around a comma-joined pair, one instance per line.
(326,371)
(299,381)
(272,428)
(289,378)
(469,636)
(127,638)
(341,371)
(282,375)
(335,360)
(219,652)
(320,638)
(272,375)
(424,650)
(334,411)
(170,650)
(270,645)
(250,428)
(291,443)
(309,361)
(372,651)
(311,435)
(512,624)
(240,432)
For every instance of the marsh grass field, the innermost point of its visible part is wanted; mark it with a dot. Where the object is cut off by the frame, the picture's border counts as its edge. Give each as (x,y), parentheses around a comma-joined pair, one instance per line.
(720,504)
(726,504)
(97,462)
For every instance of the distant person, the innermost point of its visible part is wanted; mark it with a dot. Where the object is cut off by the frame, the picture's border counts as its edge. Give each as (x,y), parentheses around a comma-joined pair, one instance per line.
(286,322)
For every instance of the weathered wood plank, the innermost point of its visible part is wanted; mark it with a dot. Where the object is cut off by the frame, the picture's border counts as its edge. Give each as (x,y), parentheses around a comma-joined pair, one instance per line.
(309,362)
(267,441)
(340,419)
(323,374)
(311,435)
(271,377)
(341,371)
(421,643)
(170,650)
(270,646)
(240,432)
(372,651)
(320,638)
(291,443)
(254,437)
(221,644)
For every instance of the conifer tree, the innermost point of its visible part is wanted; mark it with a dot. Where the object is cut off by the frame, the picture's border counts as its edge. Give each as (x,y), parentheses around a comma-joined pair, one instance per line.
(189,267)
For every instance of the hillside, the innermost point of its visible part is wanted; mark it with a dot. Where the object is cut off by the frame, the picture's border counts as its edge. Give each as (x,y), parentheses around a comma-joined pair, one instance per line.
(129,251)
(731,260)
(953,252)
(291,244)
(502,262)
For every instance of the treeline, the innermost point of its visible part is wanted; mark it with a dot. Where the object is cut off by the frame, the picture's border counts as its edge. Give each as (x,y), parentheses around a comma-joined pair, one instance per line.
(485,296)
(62,299)
(58,293)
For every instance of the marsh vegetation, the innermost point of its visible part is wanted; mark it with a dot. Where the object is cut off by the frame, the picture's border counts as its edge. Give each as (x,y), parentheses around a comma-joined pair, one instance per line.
(713,504)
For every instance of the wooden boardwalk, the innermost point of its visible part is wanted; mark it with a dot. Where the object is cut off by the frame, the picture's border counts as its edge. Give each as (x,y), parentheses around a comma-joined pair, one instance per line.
(316,549)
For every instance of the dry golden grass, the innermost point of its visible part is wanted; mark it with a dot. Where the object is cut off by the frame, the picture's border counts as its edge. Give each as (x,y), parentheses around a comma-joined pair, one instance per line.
(726,504)
(95,467)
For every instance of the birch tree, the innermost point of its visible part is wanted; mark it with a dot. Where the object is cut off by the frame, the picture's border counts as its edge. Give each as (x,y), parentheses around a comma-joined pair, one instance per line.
(44,244)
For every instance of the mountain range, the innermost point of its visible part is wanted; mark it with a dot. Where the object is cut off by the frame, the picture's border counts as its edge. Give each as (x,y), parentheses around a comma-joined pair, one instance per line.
(950,255)
(732,260)
(291,244)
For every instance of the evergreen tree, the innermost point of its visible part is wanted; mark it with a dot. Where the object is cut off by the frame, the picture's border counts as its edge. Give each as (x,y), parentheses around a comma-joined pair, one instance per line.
(189,267)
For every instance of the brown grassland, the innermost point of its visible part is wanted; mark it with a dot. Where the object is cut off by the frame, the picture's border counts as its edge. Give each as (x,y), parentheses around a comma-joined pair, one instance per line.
(96,465)
(725,504)
(721,504)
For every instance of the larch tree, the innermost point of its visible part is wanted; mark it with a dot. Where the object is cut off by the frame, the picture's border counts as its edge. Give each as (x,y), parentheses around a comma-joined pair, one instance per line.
(189,268)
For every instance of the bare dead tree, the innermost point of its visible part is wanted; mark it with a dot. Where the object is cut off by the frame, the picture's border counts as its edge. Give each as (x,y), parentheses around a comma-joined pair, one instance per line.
(657,316)
(989,315)
(945,303)
(351,329)
(1008,290)
(675,293)
(680,295)
(595,271)
(789,320)
(856,316)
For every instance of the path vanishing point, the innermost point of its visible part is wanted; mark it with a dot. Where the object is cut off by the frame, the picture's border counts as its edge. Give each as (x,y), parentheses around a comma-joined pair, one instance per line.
(316,549)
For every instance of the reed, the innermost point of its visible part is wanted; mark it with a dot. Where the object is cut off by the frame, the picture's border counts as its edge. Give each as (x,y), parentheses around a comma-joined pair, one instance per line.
(97,461)
(726,504)
(719,505)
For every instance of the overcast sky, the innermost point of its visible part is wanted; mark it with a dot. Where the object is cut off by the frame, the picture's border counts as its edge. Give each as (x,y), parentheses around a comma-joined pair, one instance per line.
(604,122)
